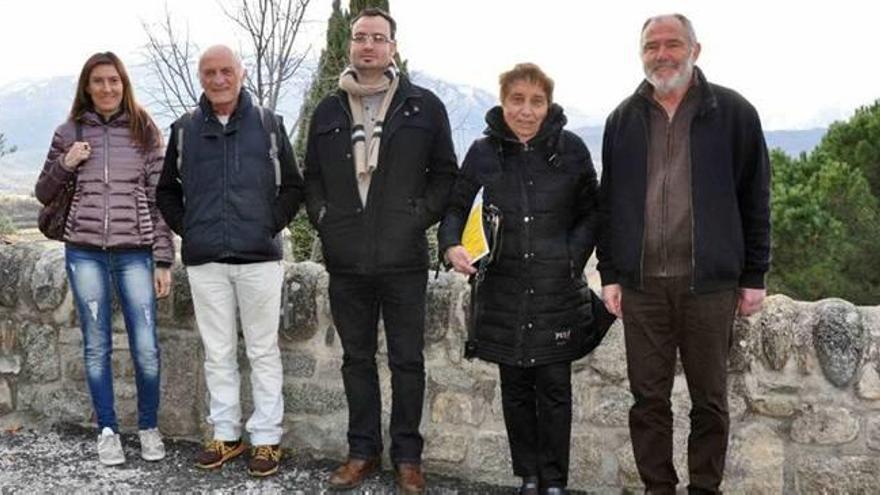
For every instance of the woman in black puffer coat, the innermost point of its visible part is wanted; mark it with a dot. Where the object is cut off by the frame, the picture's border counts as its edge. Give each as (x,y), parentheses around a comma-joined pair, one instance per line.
(534,312)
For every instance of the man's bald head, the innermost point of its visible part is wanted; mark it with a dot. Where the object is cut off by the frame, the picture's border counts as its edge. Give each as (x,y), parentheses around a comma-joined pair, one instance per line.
(222,52)
(221,74)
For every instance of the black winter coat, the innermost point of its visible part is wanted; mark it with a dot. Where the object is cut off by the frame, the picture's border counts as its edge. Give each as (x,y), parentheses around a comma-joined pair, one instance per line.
(730,189)
(408,192)
(223,201)
(534,306)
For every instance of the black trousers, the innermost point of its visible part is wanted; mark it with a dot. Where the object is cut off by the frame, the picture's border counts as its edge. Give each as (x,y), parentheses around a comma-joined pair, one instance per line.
(537,412)
(356,302)
(659,321)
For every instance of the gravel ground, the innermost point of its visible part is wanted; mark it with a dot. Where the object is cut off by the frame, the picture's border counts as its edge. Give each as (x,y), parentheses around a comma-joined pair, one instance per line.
(62,459)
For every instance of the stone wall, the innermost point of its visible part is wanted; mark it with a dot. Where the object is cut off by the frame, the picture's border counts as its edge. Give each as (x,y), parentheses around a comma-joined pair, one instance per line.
(804,388)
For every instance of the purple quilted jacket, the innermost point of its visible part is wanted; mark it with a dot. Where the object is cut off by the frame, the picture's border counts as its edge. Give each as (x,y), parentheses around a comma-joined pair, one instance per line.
(114,205)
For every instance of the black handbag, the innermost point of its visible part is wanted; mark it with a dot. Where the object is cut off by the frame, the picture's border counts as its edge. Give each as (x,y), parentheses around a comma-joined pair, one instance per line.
(53,216)
(492,220)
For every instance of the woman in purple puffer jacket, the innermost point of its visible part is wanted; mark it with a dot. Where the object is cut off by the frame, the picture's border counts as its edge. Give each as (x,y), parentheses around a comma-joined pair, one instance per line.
(115,238)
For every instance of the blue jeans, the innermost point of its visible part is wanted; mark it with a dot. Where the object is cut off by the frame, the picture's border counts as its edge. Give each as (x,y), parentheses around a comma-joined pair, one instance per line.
(92,275)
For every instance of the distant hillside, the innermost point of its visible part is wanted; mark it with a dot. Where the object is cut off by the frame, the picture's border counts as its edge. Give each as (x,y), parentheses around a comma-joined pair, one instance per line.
(30,111)
(793,142)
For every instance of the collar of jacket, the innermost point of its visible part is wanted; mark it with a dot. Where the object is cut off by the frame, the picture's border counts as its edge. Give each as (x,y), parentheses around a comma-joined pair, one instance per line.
(244,103)
(548,135)
(708,99)
(405,90)
(118,119)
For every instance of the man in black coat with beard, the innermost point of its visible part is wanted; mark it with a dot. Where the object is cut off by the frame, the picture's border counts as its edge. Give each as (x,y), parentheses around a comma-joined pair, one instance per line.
(684,246)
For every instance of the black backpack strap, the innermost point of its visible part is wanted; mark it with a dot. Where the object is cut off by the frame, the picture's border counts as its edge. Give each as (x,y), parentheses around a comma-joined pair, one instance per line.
(178,128)
(79,130)
(269,121)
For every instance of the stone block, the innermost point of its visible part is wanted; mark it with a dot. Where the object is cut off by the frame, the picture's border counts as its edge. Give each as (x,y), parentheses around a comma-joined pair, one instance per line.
(184,396)
(326,437)
(298,364)
(49,280)
(611,407)
(470,380)
(825,426)
(16,262)
(586,459)
(7,400)
(181,296)
(868,386)
(840,340)
(831,474)
(444,307)
(10,364)
(457,408)
(627,471)
(774,407)
(746,343)
(489,457)
(872,432)
(39,344)
(299,305)
(8,335)
(55,403)
(771,394)
(309,398)
(446,447)
(776,328)
(609,359)
(756,461)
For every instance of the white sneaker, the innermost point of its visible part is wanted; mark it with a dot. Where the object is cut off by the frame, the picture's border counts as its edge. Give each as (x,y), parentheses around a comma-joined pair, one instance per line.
(152,448)
(110,448)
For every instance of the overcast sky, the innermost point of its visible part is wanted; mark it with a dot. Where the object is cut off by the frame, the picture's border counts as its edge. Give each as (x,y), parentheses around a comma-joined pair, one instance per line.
(802,64)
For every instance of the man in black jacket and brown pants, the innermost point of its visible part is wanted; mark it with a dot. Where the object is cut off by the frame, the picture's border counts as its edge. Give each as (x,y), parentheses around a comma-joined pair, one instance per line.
(684,246)
(379,168)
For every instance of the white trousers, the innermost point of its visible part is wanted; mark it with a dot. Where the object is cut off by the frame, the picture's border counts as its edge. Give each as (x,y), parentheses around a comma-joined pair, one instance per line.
(255,288)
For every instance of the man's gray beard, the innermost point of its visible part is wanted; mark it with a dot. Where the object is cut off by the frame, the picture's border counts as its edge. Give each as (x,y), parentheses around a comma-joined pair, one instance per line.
(667,86)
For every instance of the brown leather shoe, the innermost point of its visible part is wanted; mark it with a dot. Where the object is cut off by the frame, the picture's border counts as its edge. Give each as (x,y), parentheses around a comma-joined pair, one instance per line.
(351,474)
(410,479)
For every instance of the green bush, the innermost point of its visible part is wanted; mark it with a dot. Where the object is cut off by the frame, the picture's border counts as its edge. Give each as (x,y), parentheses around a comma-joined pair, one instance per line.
(6,225)
(826,226)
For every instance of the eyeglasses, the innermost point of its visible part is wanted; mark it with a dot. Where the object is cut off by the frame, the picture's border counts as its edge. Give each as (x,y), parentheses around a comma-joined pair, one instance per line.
(376,38)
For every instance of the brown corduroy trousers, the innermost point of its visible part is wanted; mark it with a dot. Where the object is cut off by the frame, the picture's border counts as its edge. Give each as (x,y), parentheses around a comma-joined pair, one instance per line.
(660,320)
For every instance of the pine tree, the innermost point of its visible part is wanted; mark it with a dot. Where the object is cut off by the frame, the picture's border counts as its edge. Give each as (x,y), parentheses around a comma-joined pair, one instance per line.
(334,58)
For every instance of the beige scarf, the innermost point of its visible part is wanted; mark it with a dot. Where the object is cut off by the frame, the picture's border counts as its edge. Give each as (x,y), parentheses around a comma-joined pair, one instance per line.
(366,148)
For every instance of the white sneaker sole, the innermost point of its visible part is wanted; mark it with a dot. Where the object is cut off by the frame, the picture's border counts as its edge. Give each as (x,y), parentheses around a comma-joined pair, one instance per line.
(152,458)
(112,462)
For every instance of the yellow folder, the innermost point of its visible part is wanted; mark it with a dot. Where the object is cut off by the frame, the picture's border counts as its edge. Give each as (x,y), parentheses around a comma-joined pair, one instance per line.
(474,236)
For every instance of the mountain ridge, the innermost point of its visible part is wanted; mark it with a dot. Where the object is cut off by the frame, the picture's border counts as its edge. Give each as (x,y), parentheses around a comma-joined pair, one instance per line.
(31,109)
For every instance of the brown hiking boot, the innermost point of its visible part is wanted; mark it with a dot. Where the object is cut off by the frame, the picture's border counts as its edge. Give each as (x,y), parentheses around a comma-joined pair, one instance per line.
(353,473)
(410,479)
(217,452)
(264,460)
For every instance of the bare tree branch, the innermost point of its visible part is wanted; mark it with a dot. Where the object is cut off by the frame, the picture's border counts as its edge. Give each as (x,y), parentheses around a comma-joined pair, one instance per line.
(272,26)
(270,29)
(171,61)
(3,149)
